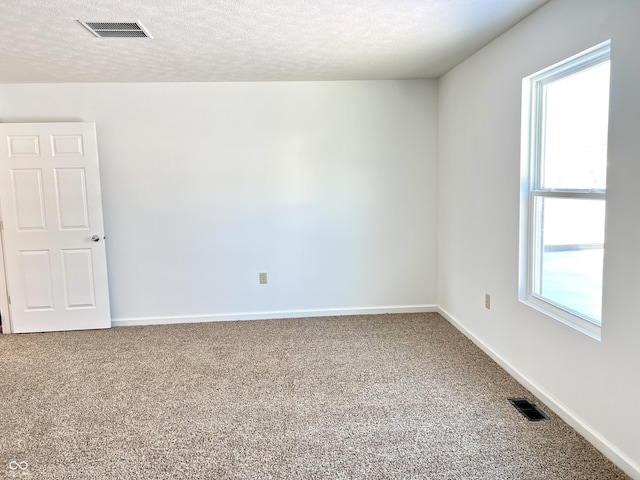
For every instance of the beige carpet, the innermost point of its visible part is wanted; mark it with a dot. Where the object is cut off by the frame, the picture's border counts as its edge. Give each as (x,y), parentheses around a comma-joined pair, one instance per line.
(388,396)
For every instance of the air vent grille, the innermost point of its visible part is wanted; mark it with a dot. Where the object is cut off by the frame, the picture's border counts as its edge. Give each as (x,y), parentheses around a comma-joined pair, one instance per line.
(116,29)
(527,408)
(113,34)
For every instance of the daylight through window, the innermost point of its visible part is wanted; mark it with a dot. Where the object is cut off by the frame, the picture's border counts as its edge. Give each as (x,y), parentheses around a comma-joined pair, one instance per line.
(564,168)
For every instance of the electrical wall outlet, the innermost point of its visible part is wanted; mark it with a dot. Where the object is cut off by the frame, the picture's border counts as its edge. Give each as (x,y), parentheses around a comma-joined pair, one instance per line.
(263,278)
(487,301)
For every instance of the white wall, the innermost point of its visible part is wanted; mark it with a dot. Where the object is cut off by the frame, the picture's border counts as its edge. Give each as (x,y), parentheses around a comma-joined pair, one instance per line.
(593,384)
(329,187)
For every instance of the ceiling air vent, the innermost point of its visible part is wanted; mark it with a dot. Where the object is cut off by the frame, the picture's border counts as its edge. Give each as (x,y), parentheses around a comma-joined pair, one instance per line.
(116,29)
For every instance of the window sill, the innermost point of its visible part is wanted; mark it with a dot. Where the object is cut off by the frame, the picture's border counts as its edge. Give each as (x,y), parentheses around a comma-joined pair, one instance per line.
(577,323)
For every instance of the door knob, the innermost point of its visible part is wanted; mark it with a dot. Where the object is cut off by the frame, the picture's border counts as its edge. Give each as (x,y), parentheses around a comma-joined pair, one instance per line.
(95,238)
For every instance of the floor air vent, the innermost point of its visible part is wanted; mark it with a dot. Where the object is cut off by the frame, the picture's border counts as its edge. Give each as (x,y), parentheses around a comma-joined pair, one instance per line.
(528,409)
(116,29)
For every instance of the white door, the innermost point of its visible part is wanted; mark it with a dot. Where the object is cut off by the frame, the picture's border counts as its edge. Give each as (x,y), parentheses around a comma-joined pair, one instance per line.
(53,233)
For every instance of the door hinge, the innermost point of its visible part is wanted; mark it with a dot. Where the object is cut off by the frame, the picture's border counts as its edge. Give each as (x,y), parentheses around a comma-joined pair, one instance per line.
(9,299)
(1,225)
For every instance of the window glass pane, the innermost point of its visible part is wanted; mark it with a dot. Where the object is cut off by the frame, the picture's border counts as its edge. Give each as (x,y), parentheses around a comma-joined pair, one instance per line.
(569,254)
(575,126)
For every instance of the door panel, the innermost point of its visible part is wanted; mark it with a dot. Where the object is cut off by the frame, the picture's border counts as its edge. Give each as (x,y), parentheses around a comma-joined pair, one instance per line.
(78,278)
(71,190)
(28,199)
(37,281)
(51,208)
(23,146)
(66,145)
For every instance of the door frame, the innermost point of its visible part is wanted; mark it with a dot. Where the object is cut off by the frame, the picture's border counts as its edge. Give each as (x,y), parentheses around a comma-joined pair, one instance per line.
(5,311)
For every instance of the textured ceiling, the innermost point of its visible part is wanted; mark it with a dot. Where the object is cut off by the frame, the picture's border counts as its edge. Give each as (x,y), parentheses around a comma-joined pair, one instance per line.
(248,40)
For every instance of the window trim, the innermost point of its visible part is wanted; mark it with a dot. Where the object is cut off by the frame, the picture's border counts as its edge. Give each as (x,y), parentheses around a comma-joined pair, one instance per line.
(531,168)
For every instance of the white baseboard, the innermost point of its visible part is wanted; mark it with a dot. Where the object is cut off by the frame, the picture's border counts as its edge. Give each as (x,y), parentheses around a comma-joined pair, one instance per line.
(578,424)
(224,317)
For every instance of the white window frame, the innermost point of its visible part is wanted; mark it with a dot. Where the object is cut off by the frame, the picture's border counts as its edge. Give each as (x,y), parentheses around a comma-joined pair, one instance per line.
(532,119)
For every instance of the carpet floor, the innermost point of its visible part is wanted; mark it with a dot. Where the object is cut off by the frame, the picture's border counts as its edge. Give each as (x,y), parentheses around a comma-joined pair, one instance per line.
(359,397)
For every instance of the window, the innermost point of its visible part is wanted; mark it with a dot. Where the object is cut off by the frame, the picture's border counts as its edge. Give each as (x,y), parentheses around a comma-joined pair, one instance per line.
(564,166)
